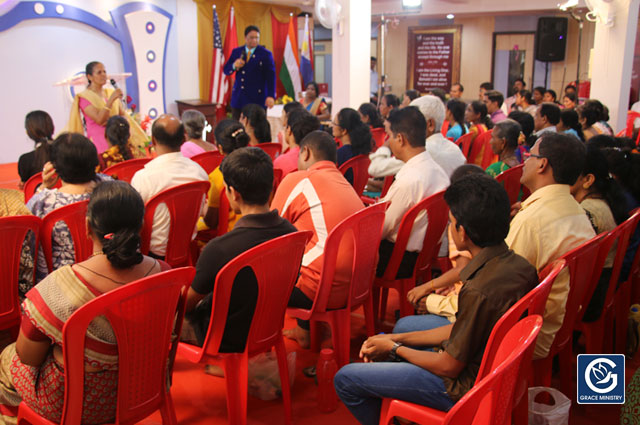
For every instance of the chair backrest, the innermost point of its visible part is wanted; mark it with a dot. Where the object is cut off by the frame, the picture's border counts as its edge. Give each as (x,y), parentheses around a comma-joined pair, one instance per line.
(142,315)
(388,181)
(272,149)
(13,232)
(490,400)
(277,178)
(510,179)
(275,279)
(445,127)
(488,157)
(125,170)
(584,271)
(464,142)
(365,230)
(478,145)
(437,213)
(74,216)
(532,303)
(632,116)
(32,184)
(209,161)
(378,135)
(223,213)
(184,204)
(359,165)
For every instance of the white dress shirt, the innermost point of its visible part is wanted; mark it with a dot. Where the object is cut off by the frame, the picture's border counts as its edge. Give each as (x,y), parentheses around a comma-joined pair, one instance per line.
(383,164)
(419,178)
(445,153)
(165,171)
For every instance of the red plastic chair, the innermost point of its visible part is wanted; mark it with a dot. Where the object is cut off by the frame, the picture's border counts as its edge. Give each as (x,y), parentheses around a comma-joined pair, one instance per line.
(359,165)
(143,317)
(125,170)
(365,229)
(599,334)
(628,131)
(388,181)
(32,184)
(13,231)
(184,204)
(438,215)
(445,127)
(584,270)
(482,145)
(74,216)
(489,401)
(209,161)
(510,179)
(275,283)
(464,142)
(272,149)
(379,135)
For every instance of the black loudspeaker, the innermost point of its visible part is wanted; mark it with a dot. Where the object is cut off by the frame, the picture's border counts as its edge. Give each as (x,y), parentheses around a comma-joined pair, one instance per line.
(551,39)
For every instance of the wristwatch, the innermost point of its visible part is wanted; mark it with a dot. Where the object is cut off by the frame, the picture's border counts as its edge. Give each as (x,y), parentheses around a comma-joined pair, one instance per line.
(393,355)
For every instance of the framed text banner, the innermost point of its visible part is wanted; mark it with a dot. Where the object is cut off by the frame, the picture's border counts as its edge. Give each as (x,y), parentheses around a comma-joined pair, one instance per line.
(434,58)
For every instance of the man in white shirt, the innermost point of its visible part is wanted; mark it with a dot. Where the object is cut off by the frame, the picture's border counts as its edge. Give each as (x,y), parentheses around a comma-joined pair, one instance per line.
(418,178)
(444,152)
(374,78)
(546,118)
(167,170)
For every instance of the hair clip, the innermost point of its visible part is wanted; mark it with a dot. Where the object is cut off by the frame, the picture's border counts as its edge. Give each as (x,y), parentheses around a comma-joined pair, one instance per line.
(108,236)
(238,131)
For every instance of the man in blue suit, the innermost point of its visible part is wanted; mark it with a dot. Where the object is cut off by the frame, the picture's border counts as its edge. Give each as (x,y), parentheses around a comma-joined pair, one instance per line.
(255,73)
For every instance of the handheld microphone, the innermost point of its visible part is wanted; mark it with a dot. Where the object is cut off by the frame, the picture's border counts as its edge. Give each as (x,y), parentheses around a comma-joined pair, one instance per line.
(115,86)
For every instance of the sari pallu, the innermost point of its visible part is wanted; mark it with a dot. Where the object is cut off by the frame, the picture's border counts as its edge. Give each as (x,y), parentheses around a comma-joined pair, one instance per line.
(47,307)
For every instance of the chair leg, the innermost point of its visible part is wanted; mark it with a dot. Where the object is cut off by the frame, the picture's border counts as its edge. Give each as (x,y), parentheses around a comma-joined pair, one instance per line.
(283,368)
(621,310)
(341,334)
(406,309)
(375,295)
(565,357)
(369,317)
(383,303)
(315,336)
(168,412)
(384,410)
(520,414)
(236,371)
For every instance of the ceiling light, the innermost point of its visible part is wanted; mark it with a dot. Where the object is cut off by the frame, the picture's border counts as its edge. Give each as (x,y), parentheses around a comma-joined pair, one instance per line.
(567,5)
(450,16)
(412,4)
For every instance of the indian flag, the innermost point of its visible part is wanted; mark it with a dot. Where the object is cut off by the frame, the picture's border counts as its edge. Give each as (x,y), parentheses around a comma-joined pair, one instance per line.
(290,71)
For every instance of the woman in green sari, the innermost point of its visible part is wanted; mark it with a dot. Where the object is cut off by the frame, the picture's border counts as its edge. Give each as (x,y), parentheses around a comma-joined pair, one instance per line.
(504,142)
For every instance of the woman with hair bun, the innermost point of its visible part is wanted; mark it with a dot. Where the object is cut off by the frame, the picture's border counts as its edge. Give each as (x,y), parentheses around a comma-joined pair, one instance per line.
(39,127)
(194,122)
(117,134)
(354,135)
(32,370)
(254,120)
(230,135)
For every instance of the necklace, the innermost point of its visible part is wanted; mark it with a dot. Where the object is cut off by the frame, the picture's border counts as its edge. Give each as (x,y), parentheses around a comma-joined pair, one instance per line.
(95,253)
(101,275)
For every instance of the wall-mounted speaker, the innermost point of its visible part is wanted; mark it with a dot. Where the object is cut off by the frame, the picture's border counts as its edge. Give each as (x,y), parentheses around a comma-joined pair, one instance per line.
(551,39)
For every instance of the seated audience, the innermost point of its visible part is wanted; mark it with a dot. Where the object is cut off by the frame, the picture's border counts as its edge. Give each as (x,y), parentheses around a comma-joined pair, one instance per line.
(550,96)
(353,134)
(484,87)
(286,110)
(167,170)
(571,89)
(546,118)
(493,100)
(504,143)
(537,95)
(550,222)
(602,199)
(569,100)
(75,159)
(510,102)
(388,103)
(524,102)
(369,115)
(525,140)
(229,135)
(592,118)
(31,370)
(194,122)
(409,96)
(117,135)
(495,279)
(248,180)
(419,177)
(315,104)
(299,124)
(39,127)
(317,198)
(456,91)
(476,116)
(455,116)
(569,124)
(254,119)
(440,94)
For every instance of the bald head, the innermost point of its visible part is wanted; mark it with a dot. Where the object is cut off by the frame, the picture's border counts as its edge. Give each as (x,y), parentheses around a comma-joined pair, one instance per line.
(167,130)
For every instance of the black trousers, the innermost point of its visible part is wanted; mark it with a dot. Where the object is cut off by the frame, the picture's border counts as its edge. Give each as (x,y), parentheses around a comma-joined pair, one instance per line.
(299,300)
(407,264)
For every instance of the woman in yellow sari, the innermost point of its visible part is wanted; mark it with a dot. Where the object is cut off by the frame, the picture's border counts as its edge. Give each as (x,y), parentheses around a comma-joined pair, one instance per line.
(315,104)
(97,104)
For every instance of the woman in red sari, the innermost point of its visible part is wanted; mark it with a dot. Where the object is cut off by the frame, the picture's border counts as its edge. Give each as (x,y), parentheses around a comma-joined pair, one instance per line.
(32,369)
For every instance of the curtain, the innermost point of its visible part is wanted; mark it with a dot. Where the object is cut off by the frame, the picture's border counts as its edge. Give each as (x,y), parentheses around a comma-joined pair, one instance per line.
(247,13)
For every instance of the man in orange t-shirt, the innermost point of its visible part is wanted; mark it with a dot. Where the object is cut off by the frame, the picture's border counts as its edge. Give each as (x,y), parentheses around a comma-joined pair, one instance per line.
(317,198)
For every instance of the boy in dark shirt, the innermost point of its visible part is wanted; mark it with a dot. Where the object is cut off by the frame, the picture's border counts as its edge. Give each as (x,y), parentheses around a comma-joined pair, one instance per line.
(248,180)
(494,280)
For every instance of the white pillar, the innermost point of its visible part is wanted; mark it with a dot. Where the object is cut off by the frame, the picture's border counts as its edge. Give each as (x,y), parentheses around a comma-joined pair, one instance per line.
(612,57)
(351,53)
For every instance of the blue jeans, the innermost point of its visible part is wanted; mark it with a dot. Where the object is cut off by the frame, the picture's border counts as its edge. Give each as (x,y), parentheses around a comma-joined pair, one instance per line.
(361,386)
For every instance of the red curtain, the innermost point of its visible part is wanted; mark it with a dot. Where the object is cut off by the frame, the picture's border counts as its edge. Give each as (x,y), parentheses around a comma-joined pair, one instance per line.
(279,36)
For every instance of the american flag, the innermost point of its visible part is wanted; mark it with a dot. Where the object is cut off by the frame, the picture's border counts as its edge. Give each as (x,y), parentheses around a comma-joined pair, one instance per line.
(218,84)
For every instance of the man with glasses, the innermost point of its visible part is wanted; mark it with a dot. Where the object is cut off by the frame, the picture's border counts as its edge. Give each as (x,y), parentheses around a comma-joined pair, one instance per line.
(550,222)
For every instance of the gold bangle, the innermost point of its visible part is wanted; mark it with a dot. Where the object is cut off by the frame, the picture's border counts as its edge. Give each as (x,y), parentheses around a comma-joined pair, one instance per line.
(433,288)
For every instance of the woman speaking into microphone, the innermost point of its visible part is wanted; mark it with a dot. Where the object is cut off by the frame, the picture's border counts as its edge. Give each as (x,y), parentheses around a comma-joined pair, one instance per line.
(97,105)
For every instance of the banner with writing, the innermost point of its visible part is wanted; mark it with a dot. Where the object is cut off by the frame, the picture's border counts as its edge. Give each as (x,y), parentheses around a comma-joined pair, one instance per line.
(434,58)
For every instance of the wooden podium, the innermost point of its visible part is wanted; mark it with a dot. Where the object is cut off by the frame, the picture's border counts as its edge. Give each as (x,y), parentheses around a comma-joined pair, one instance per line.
(207,108)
